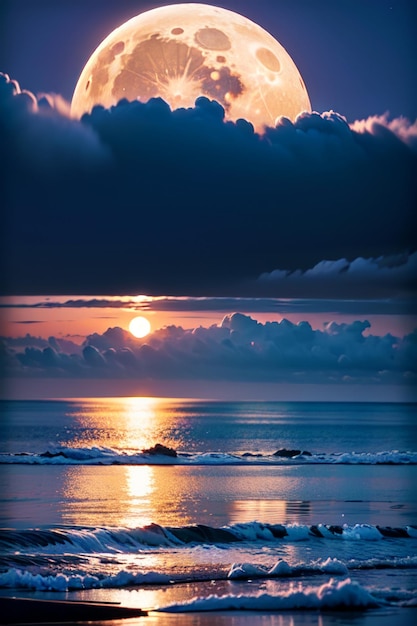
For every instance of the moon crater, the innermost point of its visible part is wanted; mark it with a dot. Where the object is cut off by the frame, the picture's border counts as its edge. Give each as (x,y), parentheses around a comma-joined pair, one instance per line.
(268,59)
(180,52)
(212,39)
(175,69)
(118,48)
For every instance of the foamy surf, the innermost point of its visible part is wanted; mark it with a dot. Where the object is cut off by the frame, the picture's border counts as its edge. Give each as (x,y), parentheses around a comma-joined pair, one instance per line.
(99,455)
(89,540)
(334,594)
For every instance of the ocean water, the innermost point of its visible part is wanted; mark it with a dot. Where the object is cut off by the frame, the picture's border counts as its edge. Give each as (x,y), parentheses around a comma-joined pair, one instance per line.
(225,525)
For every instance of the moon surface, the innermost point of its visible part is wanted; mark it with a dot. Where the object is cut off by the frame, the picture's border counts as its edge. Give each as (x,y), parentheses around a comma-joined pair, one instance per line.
(139,327)
(183,51)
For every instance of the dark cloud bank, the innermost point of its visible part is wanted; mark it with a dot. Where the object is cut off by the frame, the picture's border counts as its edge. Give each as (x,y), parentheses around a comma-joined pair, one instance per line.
(328,286)
(139,199)
(240,349)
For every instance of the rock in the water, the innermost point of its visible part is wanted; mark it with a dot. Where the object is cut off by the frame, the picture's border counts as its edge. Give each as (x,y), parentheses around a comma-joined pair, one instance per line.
(161,449)
(287,454)
(51,455)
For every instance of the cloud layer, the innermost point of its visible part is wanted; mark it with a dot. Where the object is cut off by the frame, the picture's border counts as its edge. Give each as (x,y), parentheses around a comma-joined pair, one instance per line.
(239,349)
(385,276)
(139,199)
(382,286)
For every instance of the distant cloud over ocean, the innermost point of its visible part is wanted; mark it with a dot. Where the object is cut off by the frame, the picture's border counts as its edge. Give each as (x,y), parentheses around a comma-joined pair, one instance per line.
(239,349)
(389,276)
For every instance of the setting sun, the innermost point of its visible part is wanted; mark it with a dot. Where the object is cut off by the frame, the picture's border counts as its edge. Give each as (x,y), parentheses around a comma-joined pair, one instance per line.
(139,327)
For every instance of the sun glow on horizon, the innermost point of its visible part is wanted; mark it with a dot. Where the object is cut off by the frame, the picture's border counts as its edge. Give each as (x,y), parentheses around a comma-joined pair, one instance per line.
(139,327)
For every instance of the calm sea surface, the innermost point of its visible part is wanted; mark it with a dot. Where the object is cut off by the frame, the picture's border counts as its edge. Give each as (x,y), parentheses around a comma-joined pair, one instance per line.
(88,512)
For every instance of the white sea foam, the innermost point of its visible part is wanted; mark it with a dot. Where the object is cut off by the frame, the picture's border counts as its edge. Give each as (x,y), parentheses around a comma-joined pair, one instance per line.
(282,569)
(405,562)
(98,455)
(18,579)
(351,533)
(361,531)
(401,597)
(412,531)
(334,594)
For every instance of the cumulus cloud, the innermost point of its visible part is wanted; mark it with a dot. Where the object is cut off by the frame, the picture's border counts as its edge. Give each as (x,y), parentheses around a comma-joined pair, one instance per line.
(401,127)
(239,349)
(142,199)
(384,276)
(41,137)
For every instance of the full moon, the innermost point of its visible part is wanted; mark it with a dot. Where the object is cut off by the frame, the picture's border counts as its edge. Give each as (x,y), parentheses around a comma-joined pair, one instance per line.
(182,51)
(139,327)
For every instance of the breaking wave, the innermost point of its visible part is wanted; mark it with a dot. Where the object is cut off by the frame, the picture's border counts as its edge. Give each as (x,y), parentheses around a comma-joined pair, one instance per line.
(18,578)
(62,455)
(74,558)
(333,566)
(335,594)
(91,540)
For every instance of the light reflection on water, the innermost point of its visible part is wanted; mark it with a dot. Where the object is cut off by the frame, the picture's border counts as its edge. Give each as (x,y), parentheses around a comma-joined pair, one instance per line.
(249,510)
(153,597)
(215,495)
(132,496)
(121,496)
(129,424)
(135,496)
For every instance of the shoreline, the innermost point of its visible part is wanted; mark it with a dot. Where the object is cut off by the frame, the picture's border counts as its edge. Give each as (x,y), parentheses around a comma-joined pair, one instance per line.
(28,610)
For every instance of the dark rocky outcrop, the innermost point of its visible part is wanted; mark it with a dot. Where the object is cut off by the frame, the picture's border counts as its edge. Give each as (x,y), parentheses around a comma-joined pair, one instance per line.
(289,454)
(161,449)
(52,455)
